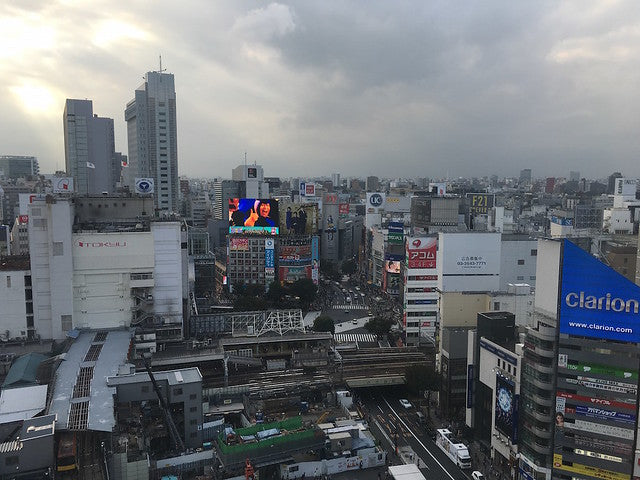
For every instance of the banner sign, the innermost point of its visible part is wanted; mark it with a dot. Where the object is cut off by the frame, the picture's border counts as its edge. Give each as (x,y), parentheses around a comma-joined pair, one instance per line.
(421,252)
(480,203)
(597,301)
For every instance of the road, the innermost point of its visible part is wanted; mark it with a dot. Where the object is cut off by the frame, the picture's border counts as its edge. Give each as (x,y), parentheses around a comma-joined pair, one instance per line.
(385,410)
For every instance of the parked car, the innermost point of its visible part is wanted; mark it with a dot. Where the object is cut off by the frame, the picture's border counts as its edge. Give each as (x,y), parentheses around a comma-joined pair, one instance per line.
(476,475)
(405,403)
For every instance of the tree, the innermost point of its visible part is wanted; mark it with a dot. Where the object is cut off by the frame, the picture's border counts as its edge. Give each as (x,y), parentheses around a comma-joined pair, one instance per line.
(324,323)
(305,289)
(349,267)
(276,293)
(379,326)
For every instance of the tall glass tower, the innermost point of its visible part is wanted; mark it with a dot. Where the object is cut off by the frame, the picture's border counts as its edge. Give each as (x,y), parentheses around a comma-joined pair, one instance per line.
(152,138)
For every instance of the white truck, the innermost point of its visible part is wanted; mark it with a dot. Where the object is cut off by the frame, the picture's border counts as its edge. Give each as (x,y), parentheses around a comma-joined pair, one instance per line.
(456,451)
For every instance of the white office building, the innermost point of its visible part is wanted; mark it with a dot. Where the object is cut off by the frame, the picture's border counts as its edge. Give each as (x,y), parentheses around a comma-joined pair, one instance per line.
(420,296)
(86,277)
(152,138)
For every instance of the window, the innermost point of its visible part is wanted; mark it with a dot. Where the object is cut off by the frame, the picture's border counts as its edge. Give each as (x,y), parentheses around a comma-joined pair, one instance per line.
(177,391)
(496,305)
(193,409)
(8,281)
(145,389)
(534,252)
(193,422)
(193,396)
(520,277)
(57,249)
(520,262)
(66,322)
(193,434)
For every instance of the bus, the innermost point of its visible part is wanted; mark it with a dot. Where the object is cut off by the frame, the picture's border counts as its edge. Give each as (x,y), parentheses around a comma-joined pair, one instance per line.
(67,453)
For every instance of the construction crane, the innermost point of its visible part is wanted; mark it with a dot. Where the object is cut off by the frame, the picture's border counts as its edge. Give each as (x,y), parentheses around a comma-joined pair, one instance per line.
(171,426)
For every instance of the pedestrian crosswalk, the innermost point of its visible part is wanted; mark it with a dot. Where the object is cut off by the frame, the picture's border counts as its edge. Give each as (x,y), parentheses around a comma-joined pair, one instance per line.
(355,338)
(349,306)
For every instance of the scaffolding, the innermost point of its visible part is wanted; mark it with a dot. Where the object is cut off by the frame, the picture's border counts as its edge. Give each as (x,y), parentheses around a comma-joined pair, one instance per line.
(243,324)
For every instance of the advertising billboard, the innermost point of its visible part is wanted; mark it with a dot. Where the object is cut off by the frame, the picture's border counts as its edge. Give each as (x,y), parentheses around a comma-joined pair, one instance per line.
(505,406)
(343,210)
(594,400)
(144,185)
(375,202)
(315,257)
(307,189)
(239,244)
(253,215)
(330,216)
(587,470)
(291,274)
(298,218)
(598,369)
(470,256)
(62,184)
(480,203)
(392,266)
(421,252)
(269,260)
(395,233)
(596,301)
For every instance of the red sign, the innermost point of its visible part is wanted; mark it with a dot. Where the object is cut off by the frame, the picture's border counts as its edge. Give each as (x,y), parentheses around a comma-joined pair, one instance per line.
(23,219)
(343,209)
(331,198)
(310,189)
(597,401)
(83,244)
(423,253)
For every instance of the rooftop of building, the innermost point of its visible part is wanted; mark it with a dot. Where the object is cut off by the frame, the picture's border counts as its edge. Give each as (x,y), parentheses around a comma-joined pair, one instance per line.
(18,404)
(81,398)
(24,371)
(173,377)
(15,262)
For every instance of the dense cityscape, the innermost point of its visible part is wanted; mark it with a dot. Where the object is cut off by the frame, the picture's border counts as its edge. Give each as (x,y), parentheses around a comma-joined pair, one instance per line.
(169,310)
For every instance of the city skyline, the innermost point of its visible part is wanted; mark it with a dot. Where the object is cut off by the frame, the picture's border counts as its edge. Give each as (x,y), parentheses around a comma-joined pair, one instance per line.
(393,90)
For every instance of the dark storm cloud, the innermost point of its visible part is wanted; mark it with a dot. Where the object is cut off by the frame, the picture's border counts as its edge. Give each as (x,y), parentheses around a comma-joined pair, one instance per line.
(389,88)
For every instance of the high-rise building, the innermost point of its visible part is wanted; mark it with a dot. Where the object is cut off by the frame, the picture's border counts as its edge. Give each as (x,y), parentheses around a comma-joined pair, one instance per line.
(372,184)
(152,138)
(14,166)
(89,148)
(574,176)
(335,180)
(525,175)
(252,177)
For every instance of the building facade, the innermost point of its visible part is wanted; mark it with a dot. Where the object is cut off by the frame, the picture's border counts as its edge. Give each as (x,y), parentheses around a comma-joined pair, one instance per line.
(153,140)
(89,149)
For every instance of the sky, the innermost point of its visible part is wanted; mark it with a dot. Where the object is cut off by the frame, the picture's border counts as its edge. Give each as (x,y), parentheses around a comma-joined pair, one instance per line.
(396,88)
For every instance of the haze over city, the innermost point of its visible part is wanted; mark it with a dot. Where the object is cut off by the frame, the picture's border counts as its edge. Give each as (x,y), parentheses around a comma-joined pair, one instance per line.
(308,88)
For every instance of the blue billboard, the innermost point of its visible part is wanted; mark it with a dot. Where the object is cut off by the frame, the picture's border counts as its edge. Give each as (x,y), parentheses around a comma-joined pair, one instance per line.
(596,301)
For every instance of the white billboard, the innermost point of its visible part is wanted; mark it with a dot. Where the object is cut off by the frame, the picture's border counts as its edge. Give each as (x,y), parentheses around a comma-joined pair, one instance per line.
(113,251)
(397,204)
(375,202)
(144,185)
(62,184)
(469,261)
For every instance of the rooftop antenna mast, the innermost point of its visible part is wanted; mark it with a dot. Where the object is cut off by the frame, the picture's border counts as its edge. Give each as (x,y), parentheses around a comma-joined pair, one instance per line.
(161,70)
(245,159)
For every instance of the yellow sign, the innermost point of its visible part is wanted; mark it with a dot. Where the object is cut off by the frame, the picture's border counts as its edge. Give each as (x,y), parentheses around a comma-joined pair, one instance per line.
(480,202)
(587,470)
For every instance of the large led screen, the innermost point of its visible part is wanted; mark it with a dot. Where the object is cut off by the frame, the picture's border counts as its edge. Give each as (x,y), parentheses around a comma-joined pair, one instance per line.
(596,301)
(505,405)
(253,215)
(298,218)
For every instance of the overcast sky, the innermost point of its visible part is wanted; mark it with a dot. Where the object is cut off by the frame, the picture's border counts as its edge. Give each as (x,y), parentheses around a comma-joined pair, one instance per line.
(391,88)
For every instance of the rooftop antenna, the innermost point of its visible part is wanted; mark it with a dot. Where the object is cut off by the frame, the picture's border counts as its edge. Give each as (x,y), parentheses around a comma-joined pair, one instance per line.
(245,159)
(161,70)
